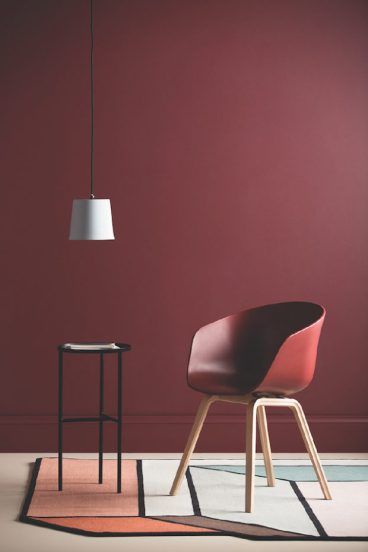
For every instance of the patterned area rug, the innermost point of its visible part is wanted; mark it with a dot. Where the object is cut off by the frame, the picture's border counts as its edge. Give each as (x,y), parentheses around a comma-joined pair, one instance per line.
(210,501)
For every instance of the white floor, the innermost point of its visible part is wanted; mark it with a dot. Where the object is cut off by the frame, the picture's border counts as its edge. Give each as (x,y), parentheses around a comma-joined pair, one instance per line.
(19,537)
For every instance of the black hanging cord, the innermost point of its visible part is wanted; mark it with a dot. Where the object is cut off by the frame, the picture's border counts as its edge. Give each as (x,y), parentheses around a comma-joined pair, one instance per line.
(92,102)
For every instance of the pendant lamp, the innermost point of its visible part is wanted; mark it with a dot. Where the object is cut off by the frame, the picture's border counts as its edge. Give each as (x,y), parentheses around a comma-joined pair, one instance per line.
(91,218)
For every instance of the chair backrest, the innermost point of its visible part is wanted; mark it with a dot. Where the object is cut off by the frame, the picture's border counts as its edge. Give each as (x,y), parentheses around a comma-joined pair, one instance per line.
(270,349)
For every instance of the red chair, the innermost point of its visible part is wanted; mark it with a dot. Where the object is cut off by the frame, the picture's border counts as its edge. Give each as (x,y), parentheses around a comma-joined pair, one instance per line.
(257,357)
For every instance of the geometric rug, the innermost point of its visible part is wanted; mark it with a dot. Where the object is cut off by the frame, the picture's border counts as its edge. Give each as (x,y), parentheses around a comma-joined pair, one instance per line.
(210,501)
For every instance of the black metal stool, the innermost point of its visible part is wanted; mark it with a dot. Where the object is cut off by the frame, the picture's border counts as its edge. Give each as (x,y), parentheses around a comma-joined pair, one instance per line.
(101,418)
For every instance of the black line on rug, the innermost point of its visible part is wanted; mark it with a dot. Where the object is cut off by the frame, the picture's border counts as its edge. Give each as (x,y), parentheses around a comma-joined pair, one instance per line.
(87,533)
(141,506)
(31,488)
(312,516)
(193,494)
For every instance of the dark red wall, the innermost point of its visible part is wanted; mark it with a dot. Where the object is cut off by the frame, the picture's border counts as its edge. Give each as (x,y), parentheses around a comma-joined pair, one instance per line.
(232,139)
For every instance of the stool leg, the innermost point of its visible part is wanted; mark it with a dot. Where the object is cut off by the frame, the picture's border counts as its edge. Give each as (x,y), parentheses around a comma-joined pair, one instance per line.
(60,423)
(119,424)
(100,433)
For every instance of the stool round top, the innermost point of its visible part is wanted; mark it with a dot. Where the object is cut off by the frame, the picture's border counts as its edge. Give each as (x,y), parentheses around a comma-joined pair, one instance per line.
(86,347)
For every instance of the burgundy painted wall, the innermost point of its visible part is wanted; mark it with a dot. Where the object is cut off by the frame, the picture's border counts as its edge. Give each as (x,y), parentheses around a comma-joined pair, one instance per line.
(231,137)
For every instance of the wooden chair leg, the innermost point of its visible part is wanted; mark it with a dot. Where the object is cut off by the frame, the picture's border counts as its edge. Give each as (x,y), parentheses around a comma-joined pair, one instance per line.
(250,452)
(191,443)
(265,443)
(311,448)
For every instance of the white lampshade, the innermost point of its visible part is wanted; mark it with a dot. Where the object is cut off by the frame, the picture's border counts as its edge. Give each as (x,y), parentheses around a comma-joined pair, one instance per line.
(91,220)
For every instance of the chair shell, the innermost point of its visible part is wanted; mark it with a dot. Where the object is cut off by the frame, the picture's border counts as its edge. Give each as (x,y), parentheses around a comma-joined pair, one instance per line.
(268,350)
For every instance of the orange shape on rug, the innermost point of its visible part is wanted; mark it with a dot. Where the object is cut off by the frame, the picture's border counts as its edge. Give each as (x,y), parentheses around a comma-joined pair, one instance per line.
(82,495)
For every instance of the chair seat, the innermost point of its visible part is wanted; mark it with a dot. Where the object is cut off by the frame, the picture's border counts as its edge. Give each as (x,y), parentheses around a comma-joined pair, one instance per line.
(218,383)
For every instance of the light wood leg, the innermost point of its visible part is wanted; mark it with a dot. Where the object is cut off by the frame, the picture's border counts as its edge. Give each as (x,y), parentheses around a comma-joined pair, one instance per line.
(265,443)
(311,448)
(191,443)
(251,436)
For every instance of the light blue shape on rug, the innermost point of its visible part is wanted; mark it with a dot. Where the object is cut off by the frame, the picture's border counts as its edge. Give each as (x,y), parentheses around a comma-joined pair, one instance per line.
(301,473)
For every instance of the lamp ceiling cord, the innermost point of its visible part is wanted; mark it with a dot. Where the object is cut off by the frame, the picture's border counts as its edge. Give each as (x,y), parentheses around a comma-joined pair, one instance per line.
(92,101)
(91,218)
